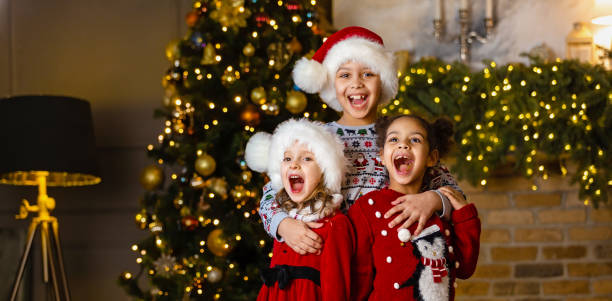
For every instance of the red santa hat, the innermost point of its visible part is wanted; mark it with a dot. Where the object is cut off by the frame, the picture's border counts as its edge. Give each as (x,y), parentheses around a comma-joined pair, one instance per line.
(353,43)
(265,152)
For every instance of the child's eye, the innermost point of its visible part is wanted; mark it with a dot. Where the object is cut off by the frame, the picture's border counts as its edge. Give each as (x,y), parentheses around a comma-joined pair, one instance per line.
(286,159)
(415,140)
(368,74)
(307,158)
(343,75)
(392,139)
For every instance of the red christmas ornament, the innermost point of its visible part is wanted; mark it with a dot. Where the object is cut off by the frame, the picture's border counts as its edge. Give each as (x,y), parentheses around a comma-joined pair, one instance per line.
(192,18)
(293,5)
(189,223)
(261,19)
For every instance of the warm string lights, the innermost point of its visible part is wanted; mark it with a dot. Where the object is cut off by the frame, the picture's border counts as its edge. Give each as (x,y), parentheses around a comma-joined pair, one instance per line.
(227,80)
(525,115)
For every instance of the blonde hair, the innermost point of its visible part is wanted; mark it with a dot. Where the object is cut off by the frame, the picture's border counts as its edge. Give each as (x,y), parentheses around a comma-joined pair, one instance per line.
(320,193)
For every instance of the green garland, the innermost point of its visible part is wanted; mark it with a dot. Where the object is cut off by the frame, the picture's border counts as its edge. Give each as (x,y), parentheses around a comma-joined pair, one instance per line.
(526,116)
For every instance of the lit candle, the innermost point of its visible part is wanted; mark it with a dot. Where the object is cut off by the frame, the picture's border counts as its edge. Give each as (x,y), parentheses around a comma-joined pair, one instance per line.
(489,9)
(465,4)
(438,6)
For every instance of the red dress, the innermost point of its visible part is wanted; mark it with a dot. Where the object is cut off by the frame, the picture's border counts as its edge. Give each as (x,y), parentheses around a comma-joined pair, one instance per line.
(385,268)
(333,264)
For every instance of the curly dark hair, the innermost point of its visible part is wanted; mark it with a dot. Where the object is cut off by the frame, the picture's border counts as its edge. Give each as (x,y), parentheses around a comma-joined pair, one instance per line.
(439,133)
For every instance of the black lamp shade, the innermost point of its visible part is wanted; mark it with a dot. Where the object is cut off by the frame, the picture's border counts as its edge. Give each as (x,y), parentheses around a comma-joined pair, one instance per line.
(47,133)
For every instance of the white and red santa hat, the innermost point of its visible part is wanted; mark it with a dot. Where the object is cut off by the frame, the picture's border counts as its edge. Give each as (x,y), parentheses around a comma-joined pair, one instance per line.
(353,43)
(265,152)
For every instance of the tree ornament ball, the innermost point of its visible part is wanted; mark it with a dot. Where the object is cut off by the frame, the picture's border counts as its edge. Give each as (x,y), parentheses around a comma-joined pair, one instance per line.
(151,177)
(246,176)
(258,95)
(173,51)
(248,50)
(217,244)
(295,46)
(250,115)
(296,102)
(205,165)
(189,223)
(218,186)
(192,18)
(214,275)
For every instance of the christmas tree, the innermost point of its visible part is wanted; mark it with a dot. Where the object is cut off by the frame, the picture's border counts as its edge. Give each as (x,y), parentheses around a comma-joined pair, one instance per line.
(229,77)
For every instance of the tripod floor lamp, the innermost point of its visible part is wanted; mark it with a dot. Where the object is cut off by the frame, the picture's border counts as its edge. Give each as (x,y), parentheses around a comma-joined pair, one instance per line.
(46,141)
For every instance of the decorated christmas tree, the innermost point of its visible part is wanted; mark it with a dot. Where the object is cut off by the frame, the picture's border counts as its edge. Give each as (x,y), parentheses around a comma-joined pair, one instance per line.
(229,77)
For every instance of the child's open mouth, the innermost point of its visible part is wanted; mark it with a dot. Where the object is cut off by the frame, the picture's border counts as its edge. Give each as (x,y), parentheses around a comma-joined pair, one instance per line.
(403,164)
(358,101)
(297,183)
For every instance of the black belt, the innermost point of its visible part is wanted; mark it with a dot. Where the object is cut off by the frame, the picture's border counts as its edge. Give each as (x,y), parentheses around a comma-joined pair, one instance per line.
(283,274)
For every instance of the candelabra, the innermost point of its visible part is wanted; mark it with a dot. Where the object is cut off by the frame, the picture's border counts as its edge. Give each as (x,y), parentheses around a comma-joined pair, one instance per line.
(467,36)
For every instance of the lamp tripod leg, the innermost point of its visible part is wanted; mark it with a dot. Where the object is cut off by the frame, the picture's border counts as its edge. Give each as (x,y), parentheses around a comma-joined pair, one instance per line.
(51,260)
(60,258)
(24,257)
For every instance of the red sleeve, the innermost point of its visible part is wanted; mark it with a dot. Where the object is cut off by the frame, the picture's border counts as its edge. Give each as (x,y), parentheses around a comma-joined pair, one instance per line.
(363,265)
(336,260)
(466,226)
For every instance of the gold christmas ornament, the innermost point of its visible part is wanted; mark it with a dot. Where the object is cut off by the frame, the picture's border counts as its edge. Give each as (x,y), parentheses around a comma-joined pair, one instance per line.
(218,186)
(151,177)
(156,227)
(185,211)
(250,115)
(197,182)
(208,58)
(214,275)
(278,55)
(230,13)
(296,102)
(217,244)
(258,95)
(249,49)
(205,165)
(173,51)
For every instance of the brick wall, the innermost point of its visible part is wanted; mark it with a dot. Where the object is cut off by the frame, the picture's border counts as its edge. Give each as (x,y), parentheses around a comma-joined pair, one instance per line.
(539,245)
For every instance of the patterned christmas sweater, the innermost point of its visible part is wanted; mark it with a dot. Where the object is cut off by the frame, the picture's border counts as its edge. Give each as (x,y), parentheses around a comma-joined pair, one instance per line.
(365,173)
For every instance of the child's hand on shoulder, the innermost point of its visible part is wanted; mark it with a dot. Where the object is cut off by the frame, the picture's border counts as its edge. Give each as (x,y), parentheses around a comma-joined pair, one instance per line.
(299,236)
(455,197)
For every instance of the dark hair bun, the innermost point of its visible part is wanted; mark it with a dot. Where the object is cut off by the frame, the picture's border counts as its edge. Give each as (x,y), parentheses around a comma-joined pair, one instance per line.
(442,133)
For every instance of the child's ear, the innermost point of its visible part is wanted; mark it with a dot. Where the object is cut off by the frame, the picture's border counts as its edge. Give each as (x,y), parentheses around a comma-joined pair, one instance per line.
(433,158)
(380,155)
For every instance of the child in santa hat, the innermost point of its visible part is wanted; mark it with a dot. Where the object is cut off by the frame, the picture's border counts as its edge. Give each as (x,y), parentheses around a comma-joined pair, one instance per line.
(391,263)
(306,165)
(354,74)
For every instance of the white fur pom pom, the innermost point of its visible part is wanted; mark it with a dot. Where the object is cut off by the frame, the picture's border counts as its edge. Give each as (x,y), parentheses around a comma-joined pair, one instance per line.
(309,75)
(257,151)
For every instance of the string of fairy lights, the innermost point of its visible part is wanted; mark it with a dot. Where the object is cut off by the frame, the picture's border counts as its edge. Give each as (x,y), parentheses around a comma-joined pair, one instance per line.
(527,116)
(211,87)
(548,111)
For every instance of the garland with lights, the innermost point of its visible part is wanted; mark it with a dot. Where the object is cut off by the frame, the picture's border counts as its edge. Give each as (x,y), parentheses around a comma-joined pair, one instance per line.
(228,77)
(536,118)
